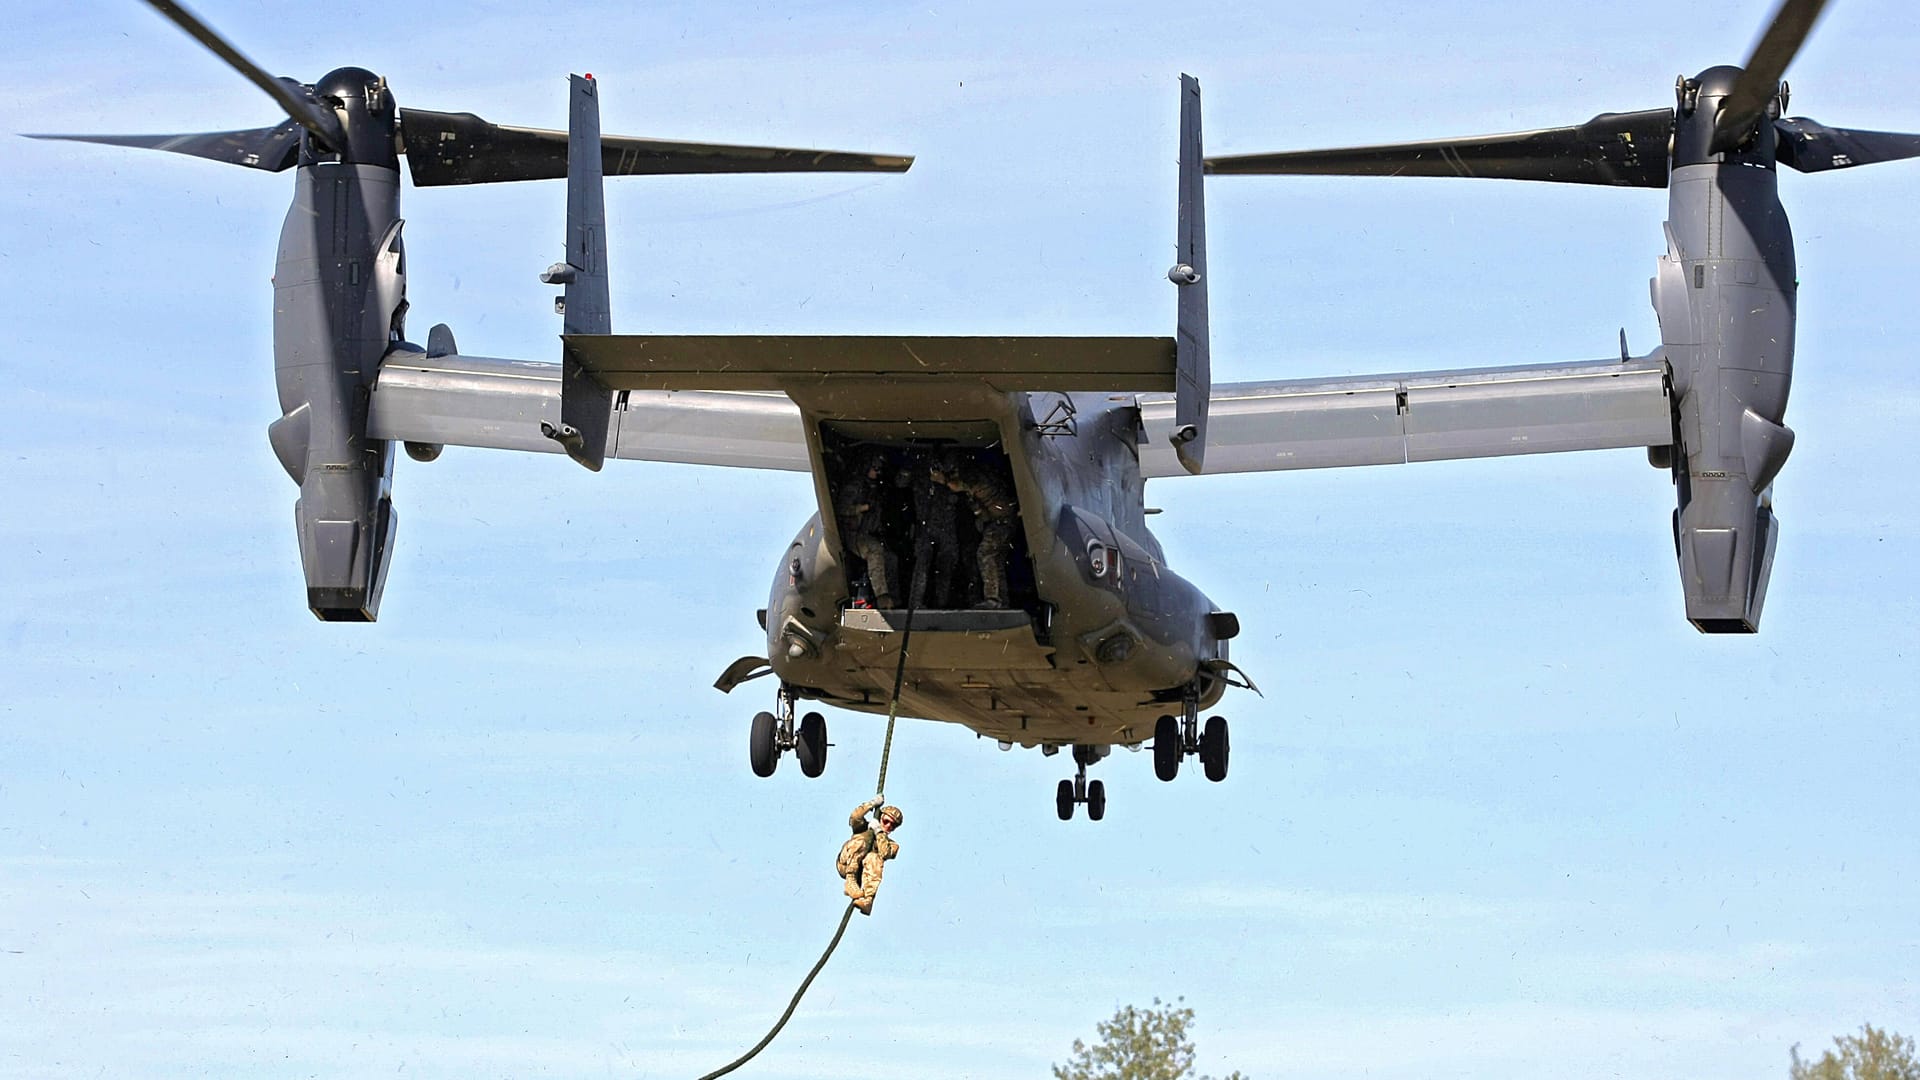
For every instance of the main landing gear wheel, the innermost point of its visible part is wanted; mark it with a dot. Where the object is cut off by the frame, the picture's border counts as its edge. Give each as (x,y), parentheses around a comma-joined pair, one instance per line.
(1167,748)
(1096,800)
(1177,737)
(1213,749)
(1063,800)
(761,750)
(775,733)
(811,744)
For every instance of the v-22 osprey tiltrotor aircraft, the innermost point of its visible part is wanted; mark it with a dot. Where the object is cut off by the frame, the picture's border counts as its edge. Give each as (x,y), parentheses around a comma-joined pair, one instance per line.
(1095,642)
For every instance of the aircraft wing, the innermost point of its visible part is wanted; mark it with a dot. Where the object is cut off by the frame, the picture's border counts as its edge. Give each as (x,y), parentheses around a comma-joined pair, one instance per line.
(1421,416)
(484,401)
(1257,426)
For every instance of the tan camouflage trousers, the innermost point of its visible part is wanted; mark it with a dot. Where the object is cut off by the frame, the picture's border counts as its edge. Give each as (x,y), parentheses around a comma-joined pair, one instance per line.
(862,886)
(879,574)
(996,545)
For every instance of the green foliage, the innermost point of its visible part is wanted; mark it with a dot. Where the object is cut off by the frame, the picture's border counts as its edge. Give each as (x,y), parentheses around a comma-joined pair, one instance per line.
(1139,1044)
(1874,1054)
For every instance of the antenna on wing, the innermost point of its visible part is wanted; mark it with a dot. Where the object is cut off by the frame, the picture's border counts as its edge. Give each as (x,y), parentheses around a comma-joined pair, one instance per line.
(1193,384)
(586,405)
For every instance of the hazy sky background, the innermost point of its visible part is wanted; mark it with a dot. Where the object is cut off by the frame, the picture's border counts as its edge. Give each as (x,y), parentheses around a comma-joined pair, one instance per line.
(1501,813)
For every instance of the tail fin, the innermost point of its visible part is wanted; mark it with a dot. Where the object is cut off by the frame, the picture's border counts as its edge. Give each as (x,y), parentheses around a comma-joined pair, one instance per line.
(1194,378)
(586,405)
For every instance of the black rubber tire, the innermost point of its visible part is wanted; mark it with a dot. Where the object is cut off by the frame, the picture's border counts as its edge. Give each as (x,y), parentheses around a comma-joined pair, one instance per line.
(1063,800)
(1214,748)
(1096,800)
(1166,748)
(761,752)
(812,748)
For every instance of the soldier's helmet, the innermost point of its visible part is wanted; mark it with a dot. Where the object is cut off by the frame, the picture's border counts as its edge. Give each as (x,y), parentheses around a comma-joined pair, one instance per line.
(960,470)
(892,816)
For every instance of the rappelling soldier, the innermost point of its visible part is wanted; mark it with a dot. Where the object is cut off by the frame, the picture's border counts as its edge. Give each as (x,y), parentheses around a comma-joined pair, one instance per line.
(857,508)
(936,539)
(991,501)
(863,857)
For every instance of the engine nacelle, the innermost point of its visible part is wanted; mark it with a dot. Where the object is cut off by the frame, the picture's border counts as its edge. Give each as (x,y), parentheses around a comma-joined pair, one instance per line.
(1724,294)
(339,306)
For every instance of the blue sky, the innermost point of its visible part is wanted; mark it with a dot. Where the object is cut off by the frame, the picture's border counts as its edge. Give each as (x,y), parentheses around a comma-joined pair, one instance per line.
(1500,813)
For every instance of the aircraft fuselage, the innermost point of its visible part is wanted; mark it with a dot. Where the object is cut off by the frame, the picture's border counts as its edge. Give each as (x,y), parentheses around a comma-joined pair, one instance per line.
(1099,638)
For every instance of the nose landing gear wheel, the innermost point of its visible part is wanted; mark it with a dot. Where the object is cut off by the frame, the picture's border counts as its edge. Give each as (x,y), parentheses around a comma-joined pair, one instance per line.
(1213,749)
(1080,790)
(1167,750)
(811,744)
(761,751)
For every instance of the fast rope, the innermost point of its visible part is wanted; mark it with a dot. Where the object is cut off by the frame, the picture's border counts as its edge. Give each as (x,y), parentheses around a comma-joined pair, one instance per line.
(893,707)
(880,789)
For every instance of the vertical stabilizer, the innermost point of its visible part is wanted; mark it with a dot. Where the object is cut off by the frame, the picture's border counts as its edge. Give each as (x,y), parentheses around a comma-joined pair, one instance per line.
(585,404)
(1194,380)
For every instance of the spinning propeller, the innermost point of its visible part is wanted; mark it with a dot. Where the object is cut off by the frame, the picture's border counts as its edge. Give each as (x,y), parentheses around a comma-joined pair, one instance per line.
(350,113)
(1723,109)
(1724,292)
(339,284)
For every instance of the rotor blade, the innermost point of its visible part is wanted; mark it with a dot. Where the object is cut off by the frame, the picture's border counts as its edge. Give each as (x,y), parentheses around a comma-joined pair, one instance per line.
(1760,80)
(294,99)
(1622,149)
(461,148)
(271,149)
(1810,146)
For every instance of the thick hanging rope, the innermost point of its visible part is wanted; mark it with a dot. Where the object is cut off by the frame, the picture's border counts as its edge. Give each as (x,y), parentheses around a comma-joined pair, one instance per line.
(791,1005)
(893,707)
(880,789)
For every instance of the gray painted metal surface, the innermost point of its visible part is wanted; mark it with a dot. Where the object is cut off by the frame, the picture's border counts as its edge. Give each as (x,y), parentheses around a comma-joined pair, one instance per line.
(1257,427)
(1194,370)
(1429,416)
(1725,297)
(586,307)
(487,402)
(339,303)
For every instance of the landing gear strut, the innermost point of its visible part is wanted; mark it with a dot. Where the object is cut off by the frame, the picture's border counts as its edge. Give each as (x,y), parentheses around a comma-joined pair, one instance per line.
(1176,738)
(1080,790)
(774,734)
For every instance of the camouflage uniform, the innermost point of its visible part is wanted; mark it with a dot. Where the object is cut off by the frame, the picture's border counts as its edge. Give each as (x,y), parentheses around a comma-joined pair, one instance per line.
(993,513)
(936,541)
(863,857)
(858,511)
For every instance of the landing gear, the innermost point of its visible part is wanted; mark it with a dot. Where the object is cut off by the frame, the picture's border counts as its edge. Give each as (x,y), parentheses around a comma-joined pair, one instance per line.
(1168,748)
(763,750)
(1177,737)
(811,744)
(773,734)
(1213,749)
(1080,790)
